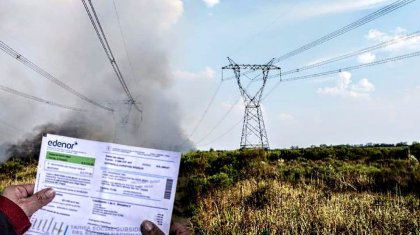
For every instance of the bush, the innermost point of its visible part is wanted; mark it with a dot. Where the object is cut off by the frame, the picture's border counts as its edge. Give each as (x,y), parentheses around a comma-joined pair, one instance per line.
(220,180)
(9,169)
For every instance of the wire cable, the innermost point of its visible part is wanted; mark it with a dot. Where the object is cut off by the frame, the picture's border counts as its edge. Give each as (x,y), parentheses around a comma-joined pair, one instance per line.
(110,54)
(10,51)
(223,117)
(354,53)
(187,138)
(379,13)
(222,135)
(362,21)
(94,19)
(205,111)
(350,68)
(219,122)
(124,43)
(27,96)
(252,80)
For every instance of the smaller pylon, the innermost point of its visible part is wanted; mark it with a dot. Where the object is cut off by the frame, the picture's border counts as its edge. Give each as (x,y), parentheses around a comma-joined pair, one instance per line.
(254,134)
(125,121)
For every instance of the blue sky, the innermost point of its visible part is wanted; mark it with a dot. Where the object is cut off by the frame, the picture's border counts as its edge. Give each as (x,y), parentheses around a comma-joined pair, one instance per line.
(171,53)
(374,104)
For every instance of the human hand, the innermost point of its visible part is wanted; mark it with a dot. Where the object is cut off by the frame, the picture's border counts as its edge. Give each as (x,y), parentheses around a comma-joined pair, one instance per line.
(23,196)
(149,228)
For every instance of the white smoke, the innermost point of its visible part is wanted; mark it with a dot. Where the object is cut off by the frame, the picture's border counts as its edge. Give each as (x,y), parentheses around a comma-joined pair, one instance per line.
(58,36)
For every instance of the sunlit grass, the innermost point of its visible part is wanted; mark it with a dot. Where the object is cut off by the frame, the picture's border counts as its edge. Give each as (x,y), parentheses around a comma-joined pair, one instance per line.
(14,174)
(282,197)
(272,207)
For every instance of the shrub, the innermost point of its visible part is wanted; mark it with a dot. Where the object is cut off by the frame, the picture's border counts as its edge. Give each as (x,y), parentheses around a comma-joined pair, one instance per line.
(220,180)
(9,169)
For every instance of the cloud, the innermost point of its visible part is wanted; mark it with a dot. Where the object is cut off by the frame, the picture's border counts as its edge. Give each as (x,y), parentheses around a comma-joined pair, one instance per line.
(206,73)
(286,117)
(380,36)
(375,34)
(211,3)
(363,86)
(346,89)
(367,57)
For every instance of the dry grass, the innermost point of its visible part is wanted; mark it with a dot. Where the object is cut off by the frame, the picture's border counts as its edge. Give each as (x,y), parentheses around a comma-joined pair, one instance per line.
(273,207)
(23,175)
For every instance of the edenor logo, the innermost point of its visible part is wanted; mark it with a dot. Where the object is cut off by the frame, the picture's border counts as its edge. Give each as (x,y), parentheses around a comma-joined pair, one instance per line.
(57,143)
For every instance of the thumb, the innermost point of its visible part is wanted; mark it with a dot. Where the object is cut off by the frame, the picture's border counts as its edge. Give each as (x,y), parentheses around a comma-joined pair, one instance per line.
(35,202)
(149,228)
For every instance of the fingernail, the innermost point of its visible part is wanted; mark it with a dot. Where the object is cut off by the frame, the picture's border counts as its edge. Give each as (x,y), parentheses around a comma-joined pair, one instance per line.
(50,193)
(148,225)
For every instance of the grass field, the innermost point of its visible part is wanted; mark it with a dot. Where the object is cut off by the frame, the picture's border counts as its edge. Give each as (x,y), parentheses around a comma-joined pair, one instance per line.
(272,207)
(259,192)
(16,172)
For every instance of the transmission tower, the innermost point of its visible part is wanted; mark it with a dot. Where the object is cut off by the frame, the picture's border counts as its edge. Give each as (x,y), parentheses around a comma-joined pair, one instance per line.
(124,120)
(254,134)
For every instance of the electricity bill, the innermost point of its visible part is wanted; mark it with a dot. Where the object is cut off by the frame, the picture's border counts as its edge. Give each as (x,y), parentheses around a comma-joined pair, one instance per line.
(103,188)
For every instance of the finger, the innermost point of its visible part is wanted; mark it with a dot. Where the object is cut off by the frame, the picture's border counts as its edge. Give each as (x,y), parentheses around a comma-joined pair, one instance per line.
(31,204)
(16,192)
(29,188)
(149,228)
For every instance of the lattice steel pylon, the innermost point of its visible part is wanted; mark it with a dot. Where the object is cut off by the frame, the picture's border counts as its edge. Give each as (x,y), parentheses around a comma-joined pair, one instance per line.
(125,121)
(254,134)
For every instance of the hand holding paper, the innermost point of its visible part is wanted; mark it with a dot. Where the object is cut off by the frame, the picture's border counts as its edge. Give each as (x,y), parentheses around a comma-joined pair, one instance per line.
(104,187)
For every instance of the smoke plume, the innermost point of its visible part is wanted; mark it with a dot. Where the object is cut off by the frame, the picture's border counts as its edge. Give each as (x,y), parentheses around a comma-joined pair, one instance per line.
(58,37)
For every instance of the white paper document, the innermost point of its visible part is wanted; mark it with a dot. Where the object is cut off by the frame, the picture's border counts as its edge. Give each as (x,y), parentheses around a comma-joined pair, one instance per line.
(103,188)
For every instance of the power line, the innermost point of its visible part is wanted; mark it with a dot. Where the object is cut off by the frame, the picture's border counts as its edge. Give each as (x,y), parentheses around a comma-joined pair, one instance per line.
(10,51)
(104,42)
(230,108)
(379,13)
(223,117)
(219,122)
(185,139)
(205,110)
(124,43)
(350,68)
(107,48)
(373,16)
(254,134)
(383,11)
(27,96)
(222,135)
(354,53)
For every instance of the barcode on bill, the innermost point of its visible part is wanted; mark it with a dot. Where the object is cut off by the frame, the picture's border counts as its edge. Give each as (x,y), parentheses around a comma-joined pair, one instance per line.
(168,189)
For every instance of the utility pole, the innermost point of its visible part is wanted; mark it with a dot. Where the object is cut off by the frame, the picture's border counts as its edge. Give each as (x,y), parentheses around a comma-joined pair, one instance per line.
(254,134)
(125,121)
